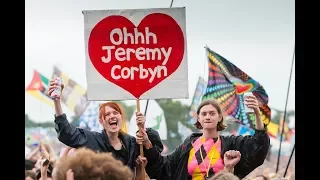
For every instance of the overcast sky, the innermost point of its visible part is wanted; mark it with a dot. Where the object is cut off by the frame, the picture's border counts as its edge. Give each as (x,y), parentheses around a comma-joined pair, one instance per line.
(255,35)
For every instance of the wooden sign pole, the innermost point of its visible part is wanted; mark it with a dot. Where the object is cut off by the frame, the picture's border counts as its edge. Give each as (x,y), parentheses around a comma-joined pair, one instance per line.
(143,171)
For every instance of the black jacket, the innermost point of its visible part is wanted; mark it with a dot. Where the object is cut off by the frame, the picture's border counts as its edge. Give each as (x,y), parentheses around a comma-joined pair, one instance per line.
(77,137)
(253,151)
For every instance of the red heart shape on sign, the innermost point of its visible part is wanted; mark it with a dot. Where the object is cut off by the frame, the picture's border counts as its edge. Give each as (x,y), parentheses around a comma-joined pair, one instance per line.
(136,58)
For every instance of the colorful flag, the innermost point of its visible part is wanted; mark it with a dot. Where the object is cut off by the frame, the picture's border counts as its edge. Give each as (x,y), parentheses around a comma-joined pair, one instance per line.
(74,96)
(243,131)
(200,89)
(154,119)
(273,129)
(39,87)
(227,84)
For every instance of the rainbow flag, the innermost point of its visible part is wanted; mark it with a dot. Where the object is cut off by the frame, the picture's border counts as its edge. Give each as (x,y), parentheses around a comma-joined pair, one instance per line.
(227,84)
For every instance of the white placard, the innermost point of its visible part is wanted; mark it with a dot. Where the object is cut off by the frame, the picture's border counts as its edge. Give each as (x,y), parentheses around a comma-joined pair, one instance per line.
(136,54)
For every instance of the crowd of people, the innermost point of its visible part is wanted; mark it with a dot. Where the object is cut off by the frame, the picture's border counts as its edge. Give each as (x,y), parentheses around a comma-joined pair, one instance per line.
(115,155)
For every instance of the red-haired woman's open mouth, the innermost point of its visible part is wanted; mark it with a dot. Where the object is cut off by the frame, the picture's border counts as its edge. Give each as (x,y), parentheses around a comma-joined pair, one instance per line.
(113,124)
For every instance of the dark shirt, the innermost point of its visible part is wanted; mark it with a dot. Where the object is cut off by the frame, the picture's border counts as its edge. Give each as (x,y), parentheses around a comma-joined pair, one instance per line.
(121,154)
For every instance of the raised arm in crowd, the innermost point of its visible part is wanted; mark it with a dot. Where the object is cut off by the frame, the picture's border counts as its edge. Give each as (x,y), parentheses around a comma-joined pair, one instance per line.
(201,154)
(111,139)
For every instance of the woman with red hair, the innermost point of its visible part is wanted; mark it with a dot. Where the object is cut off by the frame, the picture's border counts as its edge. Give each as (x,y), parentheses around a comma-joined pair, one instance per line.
(110,139)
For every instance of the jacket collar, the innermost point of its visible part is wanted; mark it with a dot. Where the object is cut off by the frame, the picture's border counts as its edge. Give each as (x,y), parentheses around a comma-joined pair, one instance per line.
(125,138)
(105,138)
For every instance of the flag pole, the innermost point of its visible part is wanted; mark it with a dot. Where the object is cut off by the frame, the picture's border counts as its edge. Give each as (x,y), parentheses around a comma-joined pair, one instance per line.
(145,111)
(285,112)
(285,172)
(171,3)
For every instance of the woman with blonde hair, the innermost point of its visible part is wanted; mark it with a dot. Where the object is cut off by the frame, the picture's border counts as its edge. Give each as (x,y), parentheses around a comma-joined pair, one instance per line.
(200,156)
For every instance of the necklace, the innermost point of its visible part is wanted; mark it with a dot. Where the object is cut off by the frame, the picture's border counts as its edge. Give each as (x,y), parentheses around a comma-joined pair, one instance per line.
(122,144)
(207,168)
(118,145)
